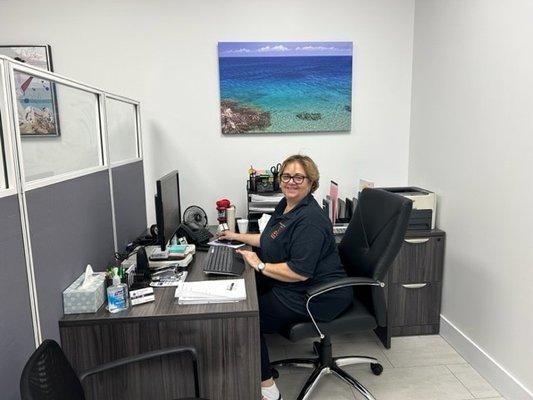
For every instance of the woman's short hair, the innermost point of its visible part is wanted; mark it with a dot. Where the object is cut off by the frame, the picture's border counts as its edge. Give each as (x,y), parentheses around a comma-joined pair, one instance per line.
(309,166)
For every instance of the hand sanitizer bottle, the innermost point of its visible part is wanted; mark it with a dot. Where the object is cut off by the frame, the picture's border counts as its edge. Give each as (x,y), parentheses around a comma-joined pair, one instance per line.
(117,296)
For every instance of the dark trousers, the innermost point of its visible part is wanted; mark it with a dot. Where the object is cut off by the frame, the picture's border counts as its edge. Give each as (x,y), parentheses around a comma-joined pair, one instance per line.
(274,316)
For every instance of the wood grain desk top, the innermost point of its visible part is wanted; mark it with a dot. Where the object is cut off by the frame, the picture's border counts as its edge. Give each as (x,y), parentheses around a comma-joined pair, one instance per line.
(166,305)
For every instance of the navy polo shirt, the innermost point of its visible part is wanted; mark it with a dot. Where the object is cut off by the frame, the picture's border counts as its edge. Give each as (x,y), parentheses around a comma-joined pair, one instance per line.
(303,239)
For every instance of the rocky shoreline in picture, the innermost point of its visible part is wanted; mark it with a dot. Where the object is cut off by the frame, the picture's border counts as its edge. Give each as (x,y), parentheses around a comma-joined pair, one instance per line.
(237,118)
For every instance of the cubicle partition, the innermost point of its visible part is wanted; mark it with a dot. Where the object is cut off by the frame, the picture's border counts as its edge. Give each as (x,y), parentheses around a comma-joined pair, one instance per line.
(71,194)
(75,230)
(16,331)
(128,200)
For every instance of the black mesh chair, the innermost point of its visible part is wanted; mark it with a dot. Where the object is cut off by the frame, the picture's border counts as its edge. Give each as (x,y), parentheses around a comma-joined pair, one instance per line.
(49,376)
(367,250)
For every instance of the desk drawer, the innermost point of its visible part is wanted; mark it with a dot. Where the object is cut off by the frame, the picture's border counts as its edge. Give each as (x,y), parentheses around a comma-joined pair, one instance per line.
(420,260)
(414,304)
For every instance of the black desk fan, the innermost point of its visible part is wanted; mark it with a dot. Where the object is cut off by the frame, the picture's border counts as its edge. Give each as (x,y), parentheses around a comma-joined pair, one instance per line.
(195,215)
(194,227)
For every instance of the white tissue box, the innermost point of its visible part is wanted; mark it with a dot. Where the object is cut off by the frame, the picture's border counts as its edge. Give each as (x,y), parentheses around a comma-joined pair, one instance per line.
(78,300)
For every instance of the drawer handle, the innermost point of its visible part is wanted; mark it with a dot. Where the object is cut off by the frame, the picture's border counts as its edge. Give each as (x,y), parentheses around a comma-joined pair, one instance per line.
(416,241)
(414,285)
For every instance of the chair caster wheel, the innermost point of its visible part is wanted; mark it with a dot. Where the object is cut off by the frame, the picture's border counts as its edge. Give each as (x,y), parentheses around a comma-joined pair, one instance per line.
(275,373)
(377,369)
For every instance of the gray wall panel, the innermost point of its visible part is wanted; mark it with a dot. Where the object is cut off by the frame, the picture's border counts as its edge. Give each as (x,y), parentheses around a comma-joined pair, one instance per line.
(130,204)
(70,227)
(16,330)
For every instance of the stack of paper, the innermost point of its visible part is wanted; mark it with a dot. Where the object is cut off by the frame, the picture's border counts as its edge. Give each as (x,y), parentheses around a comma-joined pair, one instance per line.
(265,198)
(203,292)
(264,202)
(230,243)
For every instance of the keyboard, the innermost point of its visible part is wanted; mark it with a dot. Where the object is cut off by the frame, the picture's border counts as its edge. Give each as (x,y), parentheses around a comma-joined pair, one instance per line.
(222,260)
(339,229)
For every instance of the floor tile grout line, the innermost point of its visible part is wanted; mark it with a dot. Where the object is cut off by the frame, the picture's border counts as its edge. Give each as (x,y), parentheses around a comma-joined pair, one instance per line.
(461,382)
(473,395)
(388,359)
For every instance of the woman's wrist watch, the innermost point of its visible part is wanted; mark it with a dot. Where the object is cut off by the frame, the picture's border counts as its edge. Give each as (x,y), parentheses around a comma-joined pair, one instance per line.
(260,267)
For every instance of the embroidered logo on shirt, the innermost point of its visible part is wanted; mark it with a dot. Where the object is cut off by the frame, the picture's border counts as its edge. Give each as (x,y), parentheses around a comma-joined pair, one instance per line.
(278,228)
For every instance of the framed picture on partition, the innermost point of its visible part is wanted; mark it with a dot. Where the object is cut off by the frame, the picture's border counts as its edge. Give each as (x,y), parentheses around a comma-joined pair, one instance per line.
(36,97)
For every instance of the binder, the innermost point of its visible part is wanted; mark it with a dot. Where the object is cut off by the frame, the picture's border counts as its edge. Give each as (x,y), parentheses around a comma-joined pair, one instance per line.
(326,205)
(342,210)
(349,209)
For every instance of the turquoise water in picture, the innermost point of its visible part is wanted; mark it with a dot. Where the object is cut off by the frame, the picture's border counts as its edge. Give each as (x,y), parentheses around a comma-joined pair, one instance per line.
(300,94)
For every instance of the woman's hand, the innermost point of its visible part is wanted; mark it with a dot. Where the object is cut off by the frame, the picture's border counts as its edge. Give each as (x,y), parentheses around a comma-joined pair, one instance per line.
(250,257)
(228,235)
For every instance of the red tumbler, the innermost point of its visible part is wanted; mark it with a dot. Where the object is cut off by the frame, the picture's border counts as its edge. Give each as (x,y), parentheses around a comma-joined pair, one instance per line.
(222,206)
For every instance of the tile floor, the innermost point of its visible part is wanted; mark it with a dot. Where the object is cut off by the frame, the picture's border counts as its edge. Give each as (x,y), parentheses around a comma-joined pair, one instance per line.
(415,368)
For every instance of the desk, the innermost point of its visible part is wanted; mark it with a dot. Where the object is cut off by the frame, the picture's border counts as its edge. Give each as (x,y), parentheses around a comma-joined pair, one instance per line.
(413,286)
(226,337)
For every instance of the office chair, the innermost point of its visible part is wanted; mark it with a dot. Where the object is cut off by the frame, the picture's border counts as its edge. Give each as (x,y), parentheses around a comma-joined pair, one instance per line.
(370,245)
(49,376)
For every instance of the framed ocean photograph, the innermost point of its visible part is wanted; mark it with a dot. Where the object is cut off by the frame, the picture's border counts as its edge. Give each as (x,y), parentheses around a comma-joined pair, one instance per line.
(285,87)
(36,97)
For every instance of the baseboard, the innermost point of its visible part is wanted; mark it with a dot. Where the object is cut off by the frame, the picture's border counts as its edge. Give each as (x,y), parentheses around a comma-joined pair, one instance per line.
(482,362)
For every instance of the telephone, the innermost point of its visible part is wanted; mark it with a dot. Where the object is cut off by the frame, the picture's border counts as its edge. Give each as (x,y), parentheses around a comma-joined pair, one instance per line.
(194,233)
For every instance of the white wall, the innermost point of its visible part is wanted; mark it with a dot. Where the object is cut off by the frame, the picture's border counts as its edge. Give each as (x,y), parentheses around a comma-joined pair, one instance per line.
(164,54)
(472,142)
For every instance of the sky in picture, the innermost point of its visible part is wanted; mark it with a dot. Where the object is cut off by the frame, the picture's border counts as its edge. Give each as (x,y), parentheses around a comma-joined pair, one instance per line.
(284,49)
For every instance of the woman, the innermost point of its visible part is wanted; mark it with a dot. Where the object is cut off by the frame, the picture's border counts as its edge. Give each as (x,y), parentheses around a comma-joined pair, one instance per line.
(297,251)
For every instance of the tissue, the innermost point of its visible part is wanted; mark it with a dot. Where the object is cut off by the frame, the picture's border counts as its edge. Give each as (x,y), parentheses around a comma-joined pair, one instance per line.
(88,277)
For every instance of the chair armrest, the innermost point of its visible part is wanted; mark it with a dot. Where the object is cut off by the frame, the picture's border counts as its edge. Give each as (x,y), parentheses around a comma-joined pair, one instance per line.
(340,283)
(146,356)
(317,290)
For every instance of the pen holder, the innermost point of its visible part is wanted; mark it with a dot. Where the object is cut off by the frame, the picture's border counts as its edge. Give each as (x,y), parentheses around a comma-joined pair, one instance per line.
(264,183)
(275,183)
(253,184)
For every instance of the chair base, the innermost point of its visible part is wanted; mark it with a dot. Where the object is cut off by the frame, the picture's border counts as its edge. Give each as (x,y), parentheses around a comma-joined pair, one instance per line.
(324,364)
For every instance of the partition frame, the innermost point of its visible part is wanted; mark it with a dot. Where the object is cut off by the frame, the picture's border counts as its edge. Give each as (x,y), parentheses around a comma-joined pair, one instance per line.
(103,142)
(138,150)
(13,159)
(138,136)
(8,185)
(37,72)
(104,130)
(19,190)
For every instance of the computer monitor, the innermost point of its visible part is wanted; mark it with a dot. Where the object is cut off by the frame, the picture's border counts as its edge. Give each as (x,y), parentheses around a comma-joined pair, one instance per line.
(167,207)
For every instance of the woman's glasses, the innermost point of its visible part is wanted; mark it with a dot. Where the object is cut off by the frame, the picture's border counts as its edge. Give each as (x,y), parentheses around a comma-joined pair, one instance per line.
(298,179)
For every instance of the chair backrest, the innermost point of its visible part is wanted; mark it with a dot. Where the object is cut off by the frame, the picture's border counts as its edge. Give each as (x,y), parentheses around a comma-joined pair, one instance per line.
(49,376)
(372,241)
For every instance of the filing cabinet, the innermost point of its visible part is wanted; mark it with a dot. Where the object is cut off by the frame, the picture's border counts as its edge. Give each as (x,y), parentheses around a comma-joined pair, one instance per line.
(414,286)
